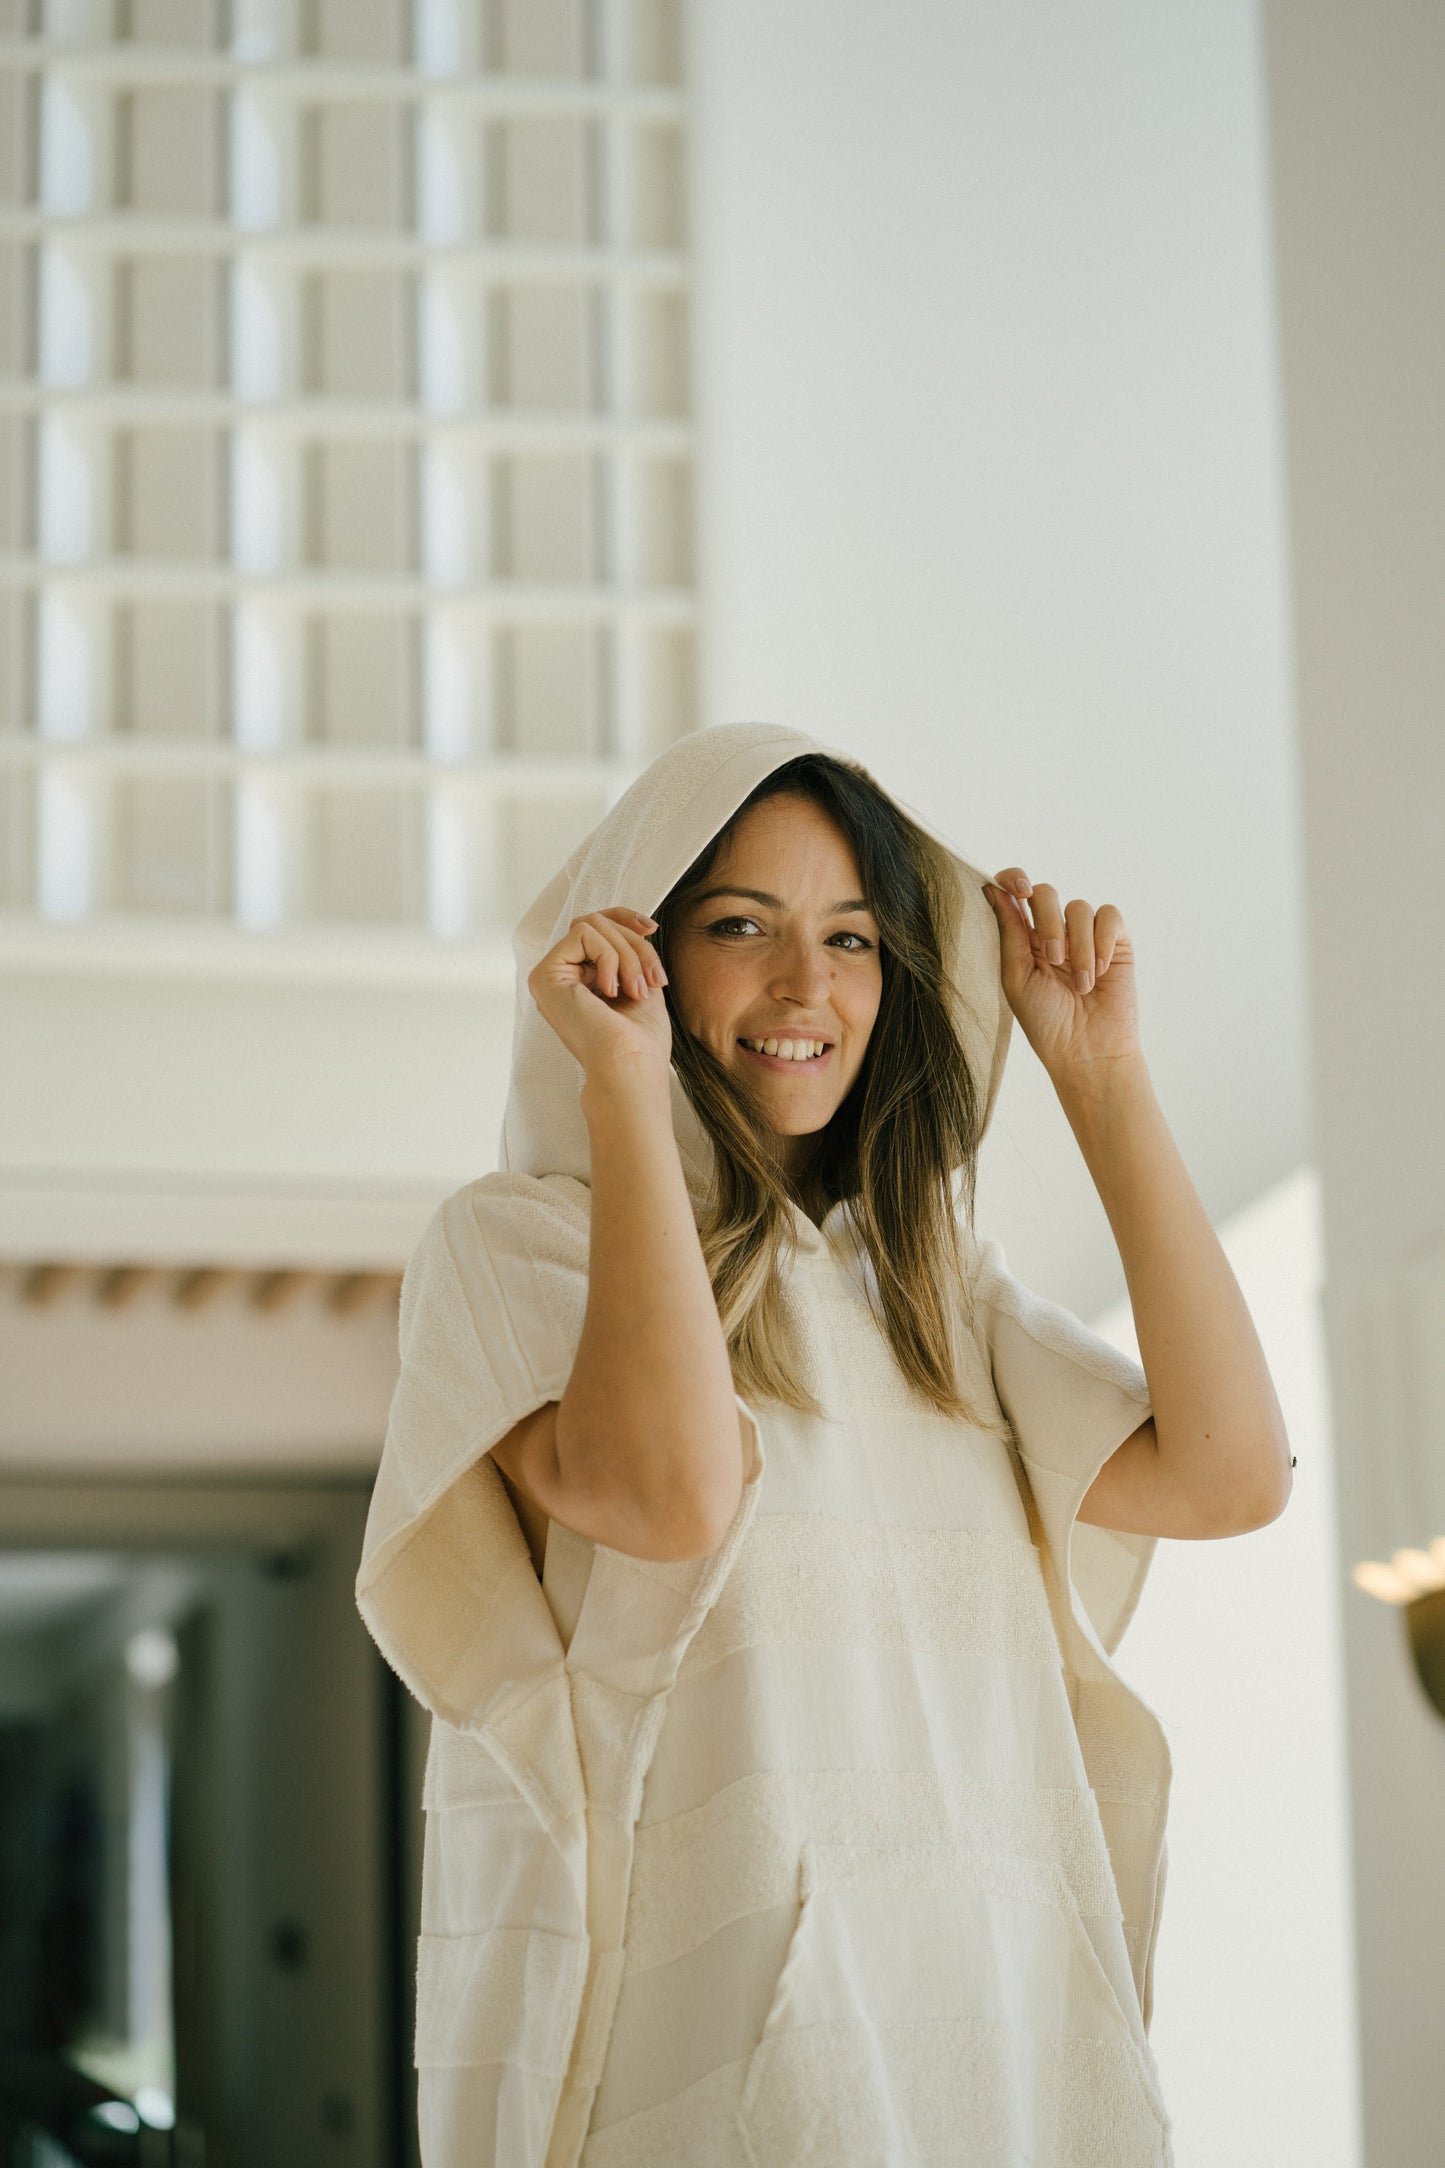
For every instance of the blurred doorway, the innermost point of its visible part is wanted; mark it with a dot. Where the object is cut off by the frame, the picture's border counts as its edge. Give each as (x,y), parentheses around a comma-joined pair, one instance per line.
(209,1833)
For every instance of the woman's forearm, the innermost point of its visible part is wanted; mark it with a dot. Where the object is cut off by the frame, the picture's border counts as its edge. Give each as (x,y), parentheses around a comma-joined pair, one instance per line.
(1217,1420)
(649,1419)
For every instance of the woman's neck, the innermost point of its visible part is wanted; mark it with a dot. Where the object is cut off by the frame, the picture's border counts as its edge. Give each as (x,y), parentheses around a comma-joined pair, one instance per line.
(796,1159)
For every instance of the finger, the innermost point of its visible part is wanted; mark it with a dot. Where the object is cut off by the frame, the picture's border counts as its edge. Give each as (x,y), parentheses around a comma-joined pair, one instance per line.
(1013,925)
(634,954)
(1049,920)
(1079,918)
(602,953)
(625,915)
(1015,880)
(647,963)
(652,961)
(1108,933)
(636,924)
(613,951)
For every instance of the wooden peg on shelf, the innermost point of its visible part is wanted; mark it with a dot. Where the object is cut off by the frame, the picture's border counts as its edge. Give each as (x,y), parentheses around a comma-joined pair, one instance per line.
(117,1286)
(271,1291)
(199,1287)
(353,1291)
(43,1285)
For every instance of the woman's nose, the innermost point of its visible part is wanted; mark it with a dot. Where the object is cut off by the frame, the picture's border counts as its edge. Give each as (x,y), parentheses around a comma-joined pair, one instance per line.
(801,974)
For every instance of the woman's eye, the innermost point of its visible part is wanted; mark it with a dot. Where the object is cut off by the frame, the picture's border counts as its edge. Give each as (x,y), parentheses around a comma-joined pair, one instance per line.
(728,928)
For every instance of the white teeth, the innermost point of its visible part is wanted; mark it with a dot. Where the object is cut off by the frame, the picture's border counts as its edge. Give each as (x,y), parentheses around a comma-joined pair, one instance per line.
(789,1049)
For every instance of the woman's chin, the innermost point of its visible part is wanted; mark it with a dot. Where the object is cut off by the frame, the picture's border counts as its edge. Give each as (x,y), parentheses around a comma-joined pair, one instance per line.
(791,1121)
(787,1105)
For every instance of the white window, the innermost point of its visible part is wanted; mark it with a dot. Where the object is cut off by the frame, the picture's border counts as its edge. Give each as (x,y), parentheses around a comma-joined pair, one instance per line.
(345,468)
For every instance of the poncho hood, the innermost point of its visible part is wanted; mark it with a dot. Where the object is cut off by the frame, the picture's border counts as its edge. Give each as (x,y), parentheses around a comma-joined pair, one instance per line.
(633,858)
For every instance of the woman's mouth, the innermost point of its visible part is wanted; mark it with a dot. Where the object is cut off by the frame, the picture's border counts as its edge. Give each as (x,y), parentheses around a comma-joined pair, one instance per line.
(788,1054)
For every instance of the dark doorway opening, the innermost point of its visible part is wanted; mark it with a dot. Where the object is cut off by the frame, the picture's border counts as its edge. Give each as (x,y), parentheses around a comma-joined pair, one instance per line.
(209,1833)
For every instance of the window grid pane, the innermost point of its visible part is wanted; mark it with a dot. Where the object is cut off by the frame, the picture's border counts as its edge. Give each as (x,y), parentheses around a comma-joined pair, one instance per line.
(345,461)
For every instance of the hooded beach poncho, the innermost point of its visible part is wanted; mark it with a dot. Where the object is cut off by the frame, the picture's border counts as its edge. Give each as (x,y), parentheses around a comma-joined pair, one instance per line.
(845,1844)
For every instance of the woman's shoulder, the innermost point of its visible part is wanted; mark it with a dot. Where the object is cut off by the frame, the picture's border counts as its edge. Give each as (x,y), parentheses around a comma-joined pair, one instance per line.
(492,1204)
(502,1243)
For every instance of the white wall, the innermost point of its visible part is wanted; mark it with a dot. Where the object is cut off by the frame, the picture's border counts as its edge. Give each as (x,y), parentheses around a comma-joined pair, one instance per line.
(1356,96)
(1237,1647)
(990,484)
(309,1117)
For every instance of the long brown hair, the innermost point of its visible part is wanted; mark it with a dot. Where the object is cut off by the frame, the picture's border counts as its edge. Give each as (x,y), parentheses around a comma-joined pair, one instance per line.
(908,1128)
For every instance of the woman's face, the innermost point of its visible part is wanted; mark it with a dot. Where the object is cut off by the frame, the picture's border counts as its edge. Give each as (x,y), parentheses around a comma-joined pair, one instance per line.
(780,947)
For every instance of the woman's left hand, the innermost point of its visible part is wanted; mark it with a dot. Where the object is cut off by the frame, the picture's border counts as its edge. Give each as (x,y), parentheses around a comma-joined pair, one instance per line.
(1068,973)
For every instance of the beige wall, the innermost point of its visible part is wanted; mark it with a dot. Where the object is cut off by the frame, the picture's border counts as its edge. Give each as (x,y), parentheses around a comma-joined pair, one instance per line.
(152,1388)
(1237,1648)
(1356,97)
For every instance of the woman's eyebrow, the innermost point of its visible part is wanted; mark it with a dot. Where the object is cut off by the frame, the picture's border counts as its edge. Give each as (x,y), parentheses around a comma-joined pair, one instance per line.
(760,895)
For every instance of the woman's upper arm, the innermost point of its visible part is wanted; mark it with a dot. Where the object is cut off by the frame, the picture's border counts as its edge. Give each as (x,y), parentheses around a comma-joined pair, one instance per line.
(1134,1492)
(528,1462)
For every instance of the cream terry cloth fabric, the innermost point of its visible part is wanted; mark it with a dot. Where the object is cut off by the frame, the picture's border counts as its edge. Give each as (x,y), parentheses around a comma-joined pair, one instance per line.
(845,1844)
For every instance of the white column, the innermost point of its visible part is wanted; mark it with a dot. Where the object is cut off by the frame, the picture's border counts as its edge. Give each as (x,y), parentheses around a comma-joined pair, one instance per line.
(1355,95)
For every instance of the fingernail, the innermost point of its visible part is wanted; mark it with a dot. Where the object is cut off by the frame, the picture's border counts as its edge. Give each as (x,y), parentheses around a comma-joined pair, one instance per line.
(1083,980)
(1056,952)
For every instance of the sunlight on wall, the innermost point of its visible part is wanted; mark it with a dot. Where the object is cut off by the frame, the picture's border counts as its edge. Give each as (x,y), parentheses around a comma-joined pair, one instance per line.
(1237,1648)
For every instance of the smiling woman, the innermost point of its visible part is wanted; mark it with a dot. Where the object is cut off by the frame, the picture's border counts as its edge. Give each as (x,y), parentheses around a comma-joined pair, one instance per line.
(784,1803)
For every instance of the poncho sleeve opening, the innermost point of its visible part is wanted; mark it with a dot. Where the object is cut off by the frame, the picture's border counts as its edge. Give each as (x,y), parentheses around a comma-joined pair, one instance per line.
(1071,1399)
(445,1566)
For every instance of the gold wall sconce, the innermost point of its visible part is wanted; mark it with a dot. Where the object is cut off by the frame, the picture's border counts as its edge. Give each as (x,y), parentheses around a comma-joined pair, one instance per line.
(1415,1581)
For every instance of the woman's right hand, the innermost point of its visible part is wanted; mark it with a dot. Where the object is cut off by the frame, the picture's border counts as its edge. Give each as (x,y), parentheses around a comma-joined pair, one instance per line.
(600,988)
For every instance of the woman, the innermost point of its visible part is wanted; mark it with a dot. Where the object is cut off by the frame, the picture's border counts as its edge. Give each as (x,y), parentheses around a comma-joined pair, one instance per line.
(759,1544)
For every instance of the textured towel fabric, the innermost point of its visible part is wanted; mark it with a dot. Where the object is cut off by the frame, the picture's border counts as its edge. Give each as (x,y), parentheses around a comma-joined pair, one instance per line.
(845,1844)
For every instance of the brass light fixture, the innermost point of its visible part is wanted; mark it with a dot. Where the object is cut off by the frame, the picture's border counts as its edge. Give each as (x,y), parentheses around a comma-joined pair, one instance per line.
(1415,1581)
